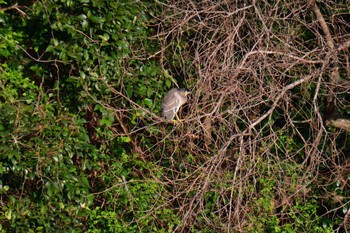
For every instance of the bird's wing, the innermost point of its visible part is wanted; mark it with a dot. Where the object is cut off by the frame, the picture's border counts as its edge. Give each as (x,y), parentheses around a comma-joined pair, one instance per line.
(170,105)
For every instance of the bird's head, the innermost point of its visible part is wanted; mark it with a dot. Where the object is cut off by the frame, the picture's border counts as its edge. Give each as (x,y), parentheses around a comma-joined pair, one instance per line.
(183,90)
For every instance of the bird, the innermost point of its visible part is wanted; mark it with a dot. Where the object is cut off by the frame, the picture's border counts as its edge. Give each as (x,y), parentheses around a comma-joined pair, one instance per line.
(172,102)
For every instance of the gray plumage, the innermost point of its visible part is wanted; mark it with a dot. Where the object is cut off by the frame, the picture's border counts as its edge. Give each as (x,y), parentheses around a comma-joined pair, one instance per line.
(172,102)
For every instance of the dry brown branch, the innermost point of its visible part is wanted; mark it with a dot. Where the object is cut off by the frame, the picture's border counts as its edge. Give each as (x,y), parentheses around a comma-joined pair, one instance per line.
(234,57)
(279,97)
(344,46)
(340,123)
(14,7)
(334,73)
(259,74)
(323,24)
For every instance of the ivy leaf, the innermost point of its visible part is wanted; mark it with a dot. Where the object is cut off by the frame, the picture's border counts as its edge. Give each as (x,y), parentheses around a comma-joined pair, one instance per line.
(105,121)
(148,102)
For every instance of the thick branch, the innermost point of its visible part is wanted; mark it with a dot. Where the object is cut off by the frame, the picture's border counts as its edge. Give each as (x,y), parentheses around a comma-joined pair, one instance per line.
(14,7)
(340,123)
(343,46)
(323,24)
(334,74)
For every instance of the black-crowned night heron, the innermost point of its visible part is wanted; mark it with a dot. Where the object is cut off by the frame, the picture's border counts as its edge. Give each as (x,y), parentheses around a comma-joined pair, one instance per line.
(172,102)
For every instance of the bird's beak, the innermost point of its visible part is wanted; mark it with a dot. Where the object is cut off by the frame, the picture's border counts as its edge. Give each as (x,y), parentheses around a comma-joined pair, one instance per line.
(187,92)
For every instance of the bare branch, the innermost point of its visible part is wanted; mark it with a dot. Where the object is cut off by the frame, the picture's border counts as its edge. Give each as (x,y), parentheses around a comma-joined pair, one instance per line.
(279,97)
(14,7)
(340,123)
(323,24)
(344,46)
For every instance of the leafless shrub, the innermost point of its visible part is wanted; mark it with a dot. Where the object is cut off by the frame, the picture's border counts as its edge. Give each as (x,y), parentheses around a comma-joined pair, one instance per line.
(266,76)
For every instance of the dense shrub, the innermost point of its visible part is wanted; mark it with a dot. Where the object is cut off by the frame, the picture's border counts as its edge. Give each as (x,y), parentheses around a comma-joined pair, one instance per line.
(63,154)
(84,149)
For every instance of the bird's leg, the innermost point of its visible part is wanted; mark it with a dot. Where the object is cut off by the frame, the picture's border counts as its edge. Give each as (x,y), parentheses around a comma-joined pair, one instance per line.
(177,120)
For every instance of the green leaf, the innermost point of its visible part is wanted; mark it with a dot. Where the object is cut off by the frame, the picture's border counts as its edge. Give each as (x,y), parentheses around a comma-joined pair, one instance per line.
(105,121)
(168,83)
(82,17)
(125,139)
(43,209)
(8,214)
(148,102)
(50,48)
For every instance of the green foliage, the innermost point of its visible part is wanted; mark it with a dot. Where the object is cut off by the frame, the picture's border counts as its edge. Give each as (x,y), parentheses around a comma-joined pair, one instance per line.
(131,201)
(270,215)
(15,88)
(81,151)
(96,38)
(53,159)
(43,163)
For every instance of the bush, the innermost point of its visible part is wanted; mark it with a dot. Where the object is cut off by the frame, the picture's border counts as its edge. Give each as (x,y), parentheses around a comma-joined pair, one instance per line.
(84,148)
